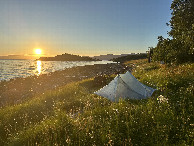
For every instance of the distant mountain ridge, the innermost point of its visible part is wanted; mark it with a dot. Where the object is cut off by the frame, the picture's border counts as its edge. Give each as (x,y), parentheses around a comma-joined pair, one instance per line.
(67,57)
(112,56)
(130,57)
(17,57)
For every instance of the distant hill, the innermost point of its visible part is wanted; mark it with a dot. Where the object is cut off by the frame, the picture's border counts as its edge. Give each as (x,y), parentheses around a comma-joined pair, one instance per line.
(130,57)
(17,57)
(67,57)
(110,56)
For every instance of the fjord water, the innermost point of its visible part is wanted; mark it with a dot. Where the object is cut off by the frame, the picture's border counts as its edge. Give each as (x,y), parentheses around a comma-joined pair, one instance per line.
(10,69)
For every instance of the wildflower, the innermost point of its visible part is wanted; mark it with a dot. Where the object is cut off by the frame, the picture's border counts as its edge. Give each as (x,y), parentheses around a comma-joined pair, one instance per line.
(110,141)
(115,109)
(68,140)
(162,99)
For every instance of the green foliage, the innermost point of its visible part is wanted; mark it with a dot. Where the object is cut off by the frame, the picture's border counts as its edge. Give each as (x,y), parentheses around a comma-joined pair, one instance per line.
(182,21)
(72,115)
(180,48)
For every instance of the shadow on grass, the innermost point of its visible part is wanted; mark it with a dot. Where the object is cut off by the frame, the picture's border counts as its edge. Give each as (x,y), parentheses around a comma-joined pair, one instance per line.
(96,83)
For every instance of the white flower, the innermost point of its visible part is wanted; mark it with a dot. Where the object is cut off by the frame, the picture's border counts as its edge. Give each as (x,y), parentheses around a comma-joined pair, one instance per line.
(162,99)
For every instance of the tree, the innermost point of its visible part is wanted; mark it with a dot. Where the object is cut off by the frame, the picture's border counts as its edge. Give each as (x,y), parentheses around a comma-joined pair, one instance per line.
(180,48)
(182,24)
(165,50)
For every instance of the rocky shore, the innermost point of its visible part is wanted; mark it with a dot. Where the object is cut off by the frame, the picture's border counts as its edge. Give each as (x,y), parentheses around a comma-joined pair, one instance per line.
(18,90)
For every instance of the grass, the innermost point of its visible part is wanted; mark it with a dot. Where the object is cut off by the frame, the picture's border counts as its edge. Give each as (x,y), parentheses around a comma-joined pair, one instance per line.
(72,115)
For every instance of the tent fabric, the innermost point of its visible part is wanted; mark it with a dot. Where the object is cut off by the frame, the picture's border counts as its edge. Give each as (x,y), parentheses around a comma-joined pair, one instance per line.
(125,86)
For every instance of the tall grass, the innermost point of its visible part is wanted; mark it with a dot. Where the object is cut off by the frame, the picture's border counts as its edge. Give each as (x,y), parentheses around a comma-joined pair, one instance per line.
(72,115)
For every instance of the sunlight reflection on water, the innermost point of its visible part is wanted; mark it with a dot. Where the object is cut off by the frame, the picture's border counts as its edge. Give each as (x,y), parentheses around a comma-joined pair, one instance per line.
(39,67)
(23,68)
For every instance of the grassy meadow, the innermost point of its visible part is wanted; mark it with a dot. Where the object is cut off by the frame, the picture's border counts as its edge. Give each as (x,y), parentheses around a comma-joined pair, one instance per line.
(72,115)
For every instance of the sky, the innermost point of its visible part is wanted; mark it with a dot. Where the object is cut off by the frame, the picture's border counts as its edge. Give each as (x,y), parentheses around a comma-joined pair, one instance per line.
(82,27)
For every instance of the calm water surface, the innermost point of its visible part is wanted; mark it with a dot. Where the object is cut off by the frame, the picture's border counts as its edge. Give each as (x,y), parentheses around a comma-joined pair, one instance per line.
(23,68)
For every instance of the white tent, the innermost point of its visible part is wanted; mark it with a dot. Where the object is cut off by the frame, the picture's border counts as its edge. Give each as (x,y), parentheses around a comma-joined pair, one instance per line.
(125,86)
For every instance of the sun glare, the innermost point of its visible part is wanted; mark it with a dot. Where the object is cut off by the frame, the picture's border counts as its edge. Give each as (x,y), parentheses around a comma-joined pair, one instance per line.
(39,67)
(38,51)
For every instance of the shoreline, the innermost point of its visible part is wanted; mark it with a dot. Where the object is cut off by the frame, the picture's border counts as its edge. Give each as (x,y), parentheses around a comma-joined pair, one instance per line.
(17,90)
(25,68)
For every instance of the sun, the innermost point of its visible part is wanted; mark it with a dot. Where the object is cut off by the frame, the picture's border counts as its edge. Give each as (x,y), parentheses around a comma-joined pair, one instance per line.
(38,51)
